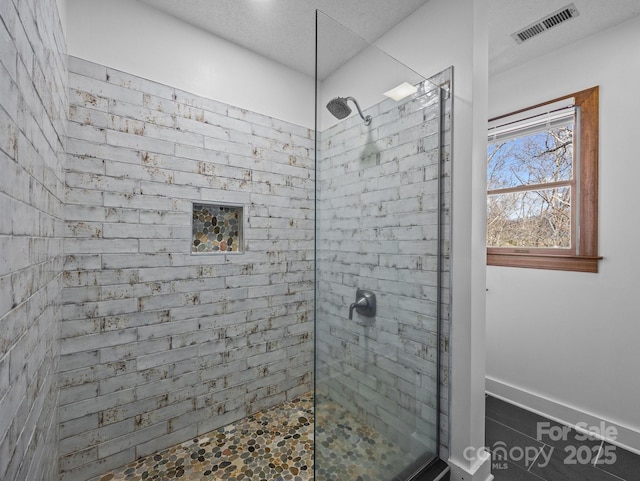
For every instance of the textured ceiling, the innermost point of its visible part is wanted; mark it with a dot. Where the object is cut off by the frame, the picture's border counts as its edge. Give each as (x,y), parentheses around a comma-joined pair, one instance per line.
(283,30)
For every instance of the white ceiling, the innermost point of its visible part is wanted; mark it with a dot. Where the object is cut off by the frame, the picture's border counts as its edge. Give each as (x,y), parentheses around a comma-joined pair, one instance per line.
(283,30)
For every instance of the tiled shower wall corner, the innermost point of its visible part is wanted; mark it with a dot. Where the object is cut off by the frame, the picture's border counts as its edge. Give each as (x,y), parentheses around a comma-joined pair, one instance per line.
(33,104)
(377,210)
(159,345)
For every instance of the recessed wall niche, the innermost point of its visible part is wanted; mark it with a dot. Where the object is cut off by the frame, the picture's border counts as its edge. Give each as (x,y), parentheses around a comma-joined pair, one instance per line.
(217,229)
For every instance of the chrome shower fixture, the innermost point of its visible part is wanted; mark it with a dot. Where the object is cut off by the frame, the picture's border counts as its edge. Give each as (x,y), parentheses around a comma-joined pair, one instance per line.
(339,108)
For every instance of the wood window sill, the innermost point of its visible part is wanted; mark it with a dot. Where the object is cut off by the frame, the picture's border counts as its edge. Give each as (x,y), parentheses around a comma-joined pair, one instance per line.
(544,261)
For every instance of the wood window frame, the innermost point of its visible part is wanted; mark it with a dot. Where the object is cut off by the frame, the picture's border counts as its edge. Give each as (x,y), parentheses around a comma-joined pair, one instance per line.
(586,258)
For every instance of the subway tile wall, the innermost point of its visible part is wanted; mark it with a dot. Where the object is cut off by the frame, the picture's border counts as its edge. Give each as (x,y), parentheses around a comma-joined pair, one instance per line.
(159,345)
(33,106)
(378,230)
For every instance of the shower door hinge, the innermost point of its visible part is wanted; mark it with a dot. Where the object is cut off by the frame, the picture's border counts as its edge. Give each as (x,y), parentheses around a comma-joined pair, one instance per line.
(446,89)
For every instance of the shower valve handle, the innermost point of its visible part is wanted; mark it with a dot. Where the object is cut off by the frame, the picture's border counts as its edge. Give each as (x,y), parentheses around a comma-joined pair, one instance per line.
(365,304)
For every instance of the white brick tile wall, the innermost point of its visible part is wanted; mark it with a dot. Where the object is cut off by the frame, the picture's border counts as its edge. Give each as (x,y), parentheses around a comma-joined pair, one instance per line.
(150,334)
(378,230)
(33,102)
(158,332)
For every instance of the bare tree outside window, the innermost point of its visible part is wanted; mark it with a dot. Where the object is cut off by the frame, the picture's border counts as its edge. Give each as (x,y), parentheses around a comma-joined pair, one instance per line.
(529,182)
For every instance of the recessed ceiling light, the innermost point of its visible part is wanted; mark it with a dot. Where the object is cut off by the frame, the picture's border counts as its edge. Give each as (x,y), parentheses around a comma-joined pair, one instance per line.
(401,91)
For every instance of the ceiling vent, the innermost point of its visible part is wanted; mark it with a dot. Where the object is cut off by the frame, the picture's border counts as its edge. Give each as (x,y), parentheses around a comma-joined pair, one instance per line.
(544,24)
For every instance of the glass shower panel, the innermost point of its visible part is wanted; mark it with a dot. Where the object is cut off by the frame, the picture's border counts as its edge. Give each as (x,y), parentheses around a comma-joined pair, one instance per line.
(377,230)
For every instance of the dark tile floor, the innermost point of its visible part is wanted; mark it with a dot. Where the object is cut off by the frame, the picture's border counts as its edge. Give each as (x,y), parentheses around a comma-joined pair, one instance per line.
(529,447)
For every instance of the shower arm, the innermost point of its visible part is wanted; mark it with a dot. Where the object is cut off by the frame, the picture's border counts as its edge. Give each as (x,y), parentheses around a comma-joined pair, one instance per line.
(367,119)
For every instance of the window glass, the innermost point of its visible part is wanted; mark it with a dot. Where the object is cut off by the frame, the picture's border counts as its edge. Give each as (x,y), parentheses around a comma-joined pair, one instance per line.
(530,218)
(529,180)
(537,158)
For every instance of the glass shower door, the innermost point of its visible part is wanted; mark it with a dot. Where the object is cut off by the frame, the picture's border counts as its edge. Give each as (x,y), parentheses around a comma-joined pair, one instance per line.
(378,238)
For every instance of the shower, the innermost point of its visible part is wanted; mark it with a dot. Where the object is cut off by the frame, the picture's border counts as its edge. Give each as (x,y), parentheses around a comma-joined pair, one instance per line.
(380,237)
(340,109)
(379,240)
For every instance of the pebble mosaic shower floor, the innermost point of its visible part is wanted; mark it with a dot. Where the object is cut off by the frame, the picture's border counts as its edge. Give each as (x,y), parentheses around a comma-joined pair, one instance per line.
(273,445)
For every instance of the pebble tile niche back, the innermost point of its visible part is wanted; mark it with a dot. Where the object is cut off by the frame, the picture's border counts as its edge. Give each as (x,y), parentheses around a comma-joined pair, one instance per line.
(217,229)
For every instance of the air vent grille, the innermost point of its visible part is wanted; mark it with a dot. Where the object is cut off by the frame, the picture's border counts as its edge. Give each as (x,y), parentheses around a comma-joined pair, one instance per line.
(544,24)
(530,32)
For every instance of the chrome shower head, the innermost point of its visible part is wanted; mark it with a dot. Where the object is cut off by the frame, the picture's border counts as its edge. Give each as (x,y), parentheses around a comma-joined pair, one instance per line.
(340,109)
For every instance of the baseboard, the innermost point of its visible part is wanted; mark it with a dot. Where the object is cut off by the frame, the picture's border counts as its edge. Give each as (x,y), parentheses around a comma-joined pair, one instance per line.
(625,437)
(481,471)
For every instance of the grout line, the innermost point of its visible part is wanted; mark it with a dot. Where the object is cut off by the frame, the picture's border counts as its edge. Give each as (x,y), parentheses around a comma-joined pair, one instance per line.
(534,461)
(519,432)
(597,457)
(595,463)
(613,476)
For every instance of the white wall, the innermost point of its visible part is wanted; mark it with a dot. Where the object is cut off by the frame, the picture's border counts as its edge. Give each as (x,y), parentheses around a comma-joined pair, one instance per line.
(132,37)
(566,343)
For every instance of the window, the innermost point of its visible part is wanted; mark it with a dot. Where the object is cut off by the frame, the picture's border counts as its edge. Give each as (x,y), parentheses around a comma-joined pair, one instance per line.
(542,185)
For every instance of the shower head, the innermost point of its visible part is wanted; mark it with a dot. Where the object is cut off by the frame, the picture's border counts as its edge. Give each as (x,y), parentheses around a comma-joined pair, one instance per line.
(340,109)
